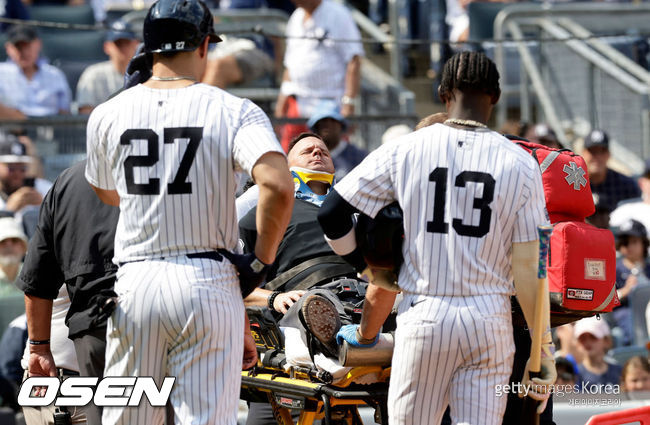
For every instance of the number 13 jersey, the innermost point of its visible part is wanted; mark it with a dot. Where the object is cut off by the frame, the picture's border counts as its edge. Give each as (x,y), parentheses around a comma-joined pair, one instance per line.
(171,154)
(467,195)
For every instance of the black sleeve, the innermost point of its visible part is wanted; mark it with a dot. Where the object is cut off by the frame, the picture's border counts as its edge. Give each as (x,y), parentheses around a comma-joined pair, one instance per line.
(335,218)
(248,230)
(41,275)
(335,215)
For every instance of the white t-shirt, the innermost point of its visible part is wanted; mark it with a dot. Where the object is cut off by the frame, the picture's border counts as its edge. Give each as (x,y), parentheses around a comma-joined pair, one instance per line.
(317,66)
(62,347)
(466,197)
(171,155)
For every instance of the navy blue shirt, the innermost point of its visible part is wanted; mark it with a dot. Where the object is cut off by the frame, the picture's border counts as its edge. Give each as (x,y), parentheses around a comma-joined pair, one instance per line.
(611,376)
(13,9)
(616,187)
(345,157)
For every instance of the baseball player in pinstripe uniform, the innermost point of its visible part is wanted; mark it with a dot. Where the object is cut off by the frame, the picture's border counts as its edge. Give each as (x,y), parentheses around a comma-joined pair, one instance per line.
(472,201)
(165,152)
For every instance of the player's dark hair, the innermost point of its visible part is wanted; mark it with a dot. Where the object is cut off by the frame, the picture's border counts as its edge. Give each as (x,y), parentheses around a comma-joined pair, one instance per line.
(301,136)
(470,71)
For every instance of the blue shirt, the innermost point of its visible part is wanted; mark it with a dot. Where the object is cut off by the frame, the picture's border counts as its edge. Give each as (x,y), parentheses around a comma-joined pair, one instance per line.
(46,93)
(611,376)
(345,157)
(616,187)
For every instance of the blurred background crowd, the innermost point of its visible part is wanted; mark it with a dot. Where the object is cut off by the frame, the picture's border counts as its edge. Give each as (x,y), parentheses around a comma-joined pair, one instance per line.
(358,73)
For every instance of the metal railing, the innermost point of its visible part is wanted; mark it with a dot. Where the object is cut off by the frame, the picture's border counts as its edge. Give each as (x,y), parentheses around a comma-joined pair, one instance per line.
(573,74)
(383,100)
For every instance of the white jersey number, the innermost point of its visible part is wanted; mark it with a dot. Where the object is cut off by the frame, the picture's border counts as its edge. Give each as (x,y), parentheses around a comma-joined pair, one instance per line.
(170,135)
(438,225)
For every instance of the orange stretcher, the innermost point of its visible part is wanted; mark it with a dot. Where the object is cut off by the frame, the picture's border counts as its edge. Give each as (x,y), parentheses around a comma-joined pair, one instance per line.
(308,392)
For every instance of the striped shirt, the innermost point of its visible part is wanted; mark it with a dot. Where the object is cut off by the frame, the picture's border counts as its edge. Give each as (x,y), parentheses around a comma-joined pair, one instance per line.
(171,155)
(317,66)
(466,196)
(47,93)
(97,83)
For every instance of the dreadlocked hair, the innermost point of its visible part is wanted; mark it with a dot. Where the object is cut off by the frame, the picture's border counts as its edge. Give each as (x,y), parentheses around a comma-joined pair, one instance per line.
(470,71)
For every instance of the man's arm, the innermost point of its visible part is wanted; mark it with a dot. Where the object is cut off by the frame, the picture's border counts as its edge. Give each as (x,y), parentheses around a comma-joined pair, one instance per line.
(275,204)
(8,113)
(376,308)
(352,82)
(109,197)
(281,103)
(39,317)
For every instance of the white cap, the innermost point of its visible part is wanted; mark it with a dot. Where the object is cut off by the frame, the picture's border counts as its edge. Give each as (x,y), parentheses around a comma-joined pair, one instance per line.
(10,228)
(592,325)
(395,131)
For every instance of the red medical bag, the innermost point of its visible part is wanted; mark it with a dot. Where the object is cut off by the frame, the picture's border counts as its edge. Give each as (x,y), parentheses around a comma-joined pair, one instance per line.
(581,269)
(566,184)
(582,258)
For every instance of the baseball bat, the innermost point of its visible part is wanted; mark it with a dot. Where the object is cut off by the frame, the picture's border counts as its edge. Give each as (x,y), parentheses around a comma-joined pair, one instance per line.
(529,408)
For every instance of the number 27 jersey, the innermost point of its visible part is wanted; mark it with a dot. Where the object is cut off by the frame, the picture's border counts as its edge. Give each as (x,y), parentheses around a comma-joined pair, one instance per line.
(467,195)
(171,155)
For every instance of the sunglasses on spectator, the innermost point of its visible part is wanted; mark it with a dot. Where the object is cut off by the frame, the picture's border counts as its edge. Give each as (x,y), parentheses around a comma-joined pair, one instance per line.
(17,167)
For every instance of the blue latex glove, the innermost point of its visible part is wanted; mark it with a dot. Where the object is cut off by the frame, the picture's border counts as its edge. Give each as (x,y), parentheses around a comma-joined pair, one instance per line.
(139,68)
(249,279)
(349,333)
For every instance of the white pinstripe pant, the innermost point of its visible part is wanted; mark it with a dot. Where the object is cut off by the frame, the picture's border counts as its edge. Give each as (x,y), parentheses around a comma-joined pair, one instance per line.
(178,317)
(450,350)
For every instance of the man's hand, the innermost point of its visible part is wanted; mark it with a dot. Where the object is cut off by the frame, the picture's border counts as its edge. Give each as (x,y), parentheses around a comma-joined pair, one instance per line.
(540,388)
(251,270)
(350,334)
(347,109)
(41,363)
(285,300)
(250,352)
(23,197)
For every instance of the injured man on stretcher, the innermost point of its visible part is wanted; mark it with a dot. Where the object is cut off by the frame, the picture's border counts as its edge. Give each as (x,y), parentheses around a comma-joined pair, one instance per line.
(311,291)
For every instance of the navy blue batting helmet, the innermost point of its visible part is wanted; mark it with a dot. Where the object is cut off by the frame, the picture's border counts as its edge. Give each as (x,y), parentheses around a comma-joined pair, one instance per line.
(178,26)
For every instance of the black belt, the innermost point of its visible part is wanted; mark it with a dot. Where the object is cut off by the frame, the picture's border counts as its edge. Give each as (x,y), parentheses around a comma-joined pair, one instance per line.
(208,255)
(66,372)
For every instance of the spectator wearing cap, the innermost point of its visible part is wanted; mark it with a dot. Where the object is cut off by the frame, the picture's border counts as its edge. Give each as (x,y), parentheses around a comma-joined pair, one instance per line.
(593,336)
(99,81)
(322,62)
(632,269)
(329,123)
(16,189)
(544,135)
(28,83)
(638,210)
(604,180)
(13,246)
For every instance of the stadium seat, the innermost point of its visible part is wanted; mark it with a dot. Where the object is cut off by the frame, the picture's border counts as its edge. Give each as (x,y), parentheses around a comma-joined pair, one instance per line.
(481,19)
(11,306)
(74,46)
(73,70)
(82,14)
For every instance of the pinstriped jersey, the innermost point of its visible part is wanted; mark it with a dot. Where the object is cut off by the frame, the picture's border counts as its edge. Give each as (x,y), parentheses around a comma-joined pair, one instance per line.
(171,155)
(466,196)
